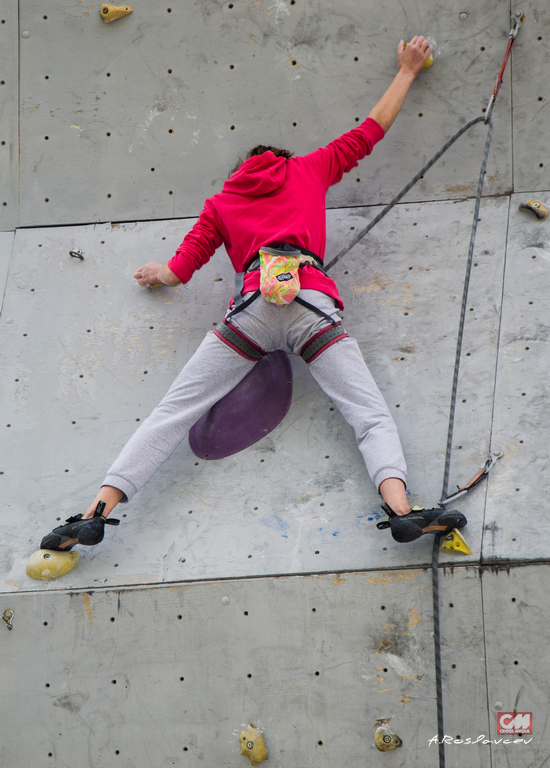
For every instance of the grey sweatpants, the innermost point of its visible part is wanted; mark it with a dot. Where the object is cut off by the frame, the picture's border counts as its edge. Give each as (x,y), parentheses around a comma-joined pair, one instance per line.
(215,369)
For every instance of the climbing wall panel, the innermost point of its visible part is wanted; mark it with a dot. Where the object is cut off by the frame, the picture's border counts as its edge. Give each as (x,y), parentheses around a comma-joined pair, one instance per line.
(516,636)
(513,529)
(403,289)
(9,118)
(531,99)
(143,118)
(6,243)
(117,348)
(171,675)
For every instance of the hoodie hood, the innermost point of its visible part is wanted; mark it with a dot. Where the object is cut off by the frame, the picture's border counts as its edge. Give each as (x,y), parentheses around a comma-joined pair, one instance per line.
(257,176)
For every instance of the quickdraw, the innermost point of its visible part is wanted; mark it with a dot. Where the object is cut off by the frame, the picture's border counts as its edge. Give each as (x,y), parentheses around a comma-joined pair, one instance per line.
(477,478)
(517,20)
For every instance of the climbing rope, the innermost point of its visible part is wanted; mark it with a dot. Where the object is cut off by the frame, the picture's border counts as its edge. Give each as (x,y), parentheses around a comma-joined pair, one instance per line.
(435,551)
(444,493)
(460,336)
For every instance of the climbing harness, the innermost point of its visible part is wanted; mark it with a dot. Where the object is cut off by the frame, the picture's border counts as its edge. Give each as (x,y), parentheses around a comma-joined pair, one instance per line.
(243,345)
(272,262)
(238,341)
(299,257)
(322,340)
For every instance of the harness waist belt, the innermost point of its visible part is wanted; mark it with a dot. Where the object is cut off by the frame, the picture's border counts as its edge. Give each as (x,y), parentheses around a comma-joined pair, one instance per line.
(305,258)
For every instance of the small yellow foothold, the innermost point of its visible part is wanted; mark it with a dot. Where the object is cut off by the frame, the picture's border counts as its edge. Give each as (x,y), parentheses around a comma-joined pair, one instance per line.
(386,739)
(539,209)
(253,745)
(456,542)
(112,12)
(49,564)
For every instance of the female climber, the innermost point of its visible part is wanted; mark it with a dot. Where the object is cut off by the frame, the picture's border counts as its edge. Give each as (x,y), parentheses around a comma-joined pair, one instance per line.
(270,215)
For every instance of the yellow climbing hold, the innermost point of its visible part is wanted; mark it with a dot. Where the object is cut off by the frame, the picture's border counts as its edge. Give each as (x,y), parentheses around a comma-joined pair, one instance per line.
(386,739)
(429,61)
(253,745)
(539,209)
(456,542)
(49,564)
(112,12)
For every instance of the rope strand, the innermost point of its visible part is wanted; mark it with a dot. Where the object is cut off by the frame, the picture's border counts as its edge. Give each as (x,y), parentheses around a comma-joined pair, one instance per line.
(403,192)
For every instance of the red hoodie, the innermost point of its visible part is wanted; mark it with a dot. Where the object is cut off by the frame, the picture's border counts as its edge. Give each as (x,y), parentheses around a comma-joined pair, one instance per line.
(270,200)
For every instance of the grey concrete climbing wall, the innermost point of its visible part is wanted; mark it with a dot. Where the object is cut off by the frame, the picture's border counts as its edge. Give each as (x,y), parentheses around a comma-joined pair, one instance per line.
(520,420)
(108,350)
(257,588)
(6,242)
(531,99)
(293,655)
(171,676)
(9,120)
(143,118)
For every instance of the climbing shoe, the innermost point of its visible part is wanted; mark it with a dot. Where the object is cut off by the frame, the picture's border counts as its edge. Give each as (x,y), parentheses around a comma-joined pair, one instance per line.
(78,531)
(420,521)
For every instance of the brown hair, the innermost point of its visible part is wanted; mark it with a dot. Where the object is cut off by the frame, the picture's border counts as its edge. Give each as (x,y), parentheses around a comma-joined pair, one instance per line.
(259,150)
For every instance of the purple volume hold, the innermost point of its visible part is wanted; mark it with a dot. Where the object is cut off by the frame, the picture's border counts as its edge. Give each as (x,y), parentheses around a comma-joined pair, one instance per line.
(247,413)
